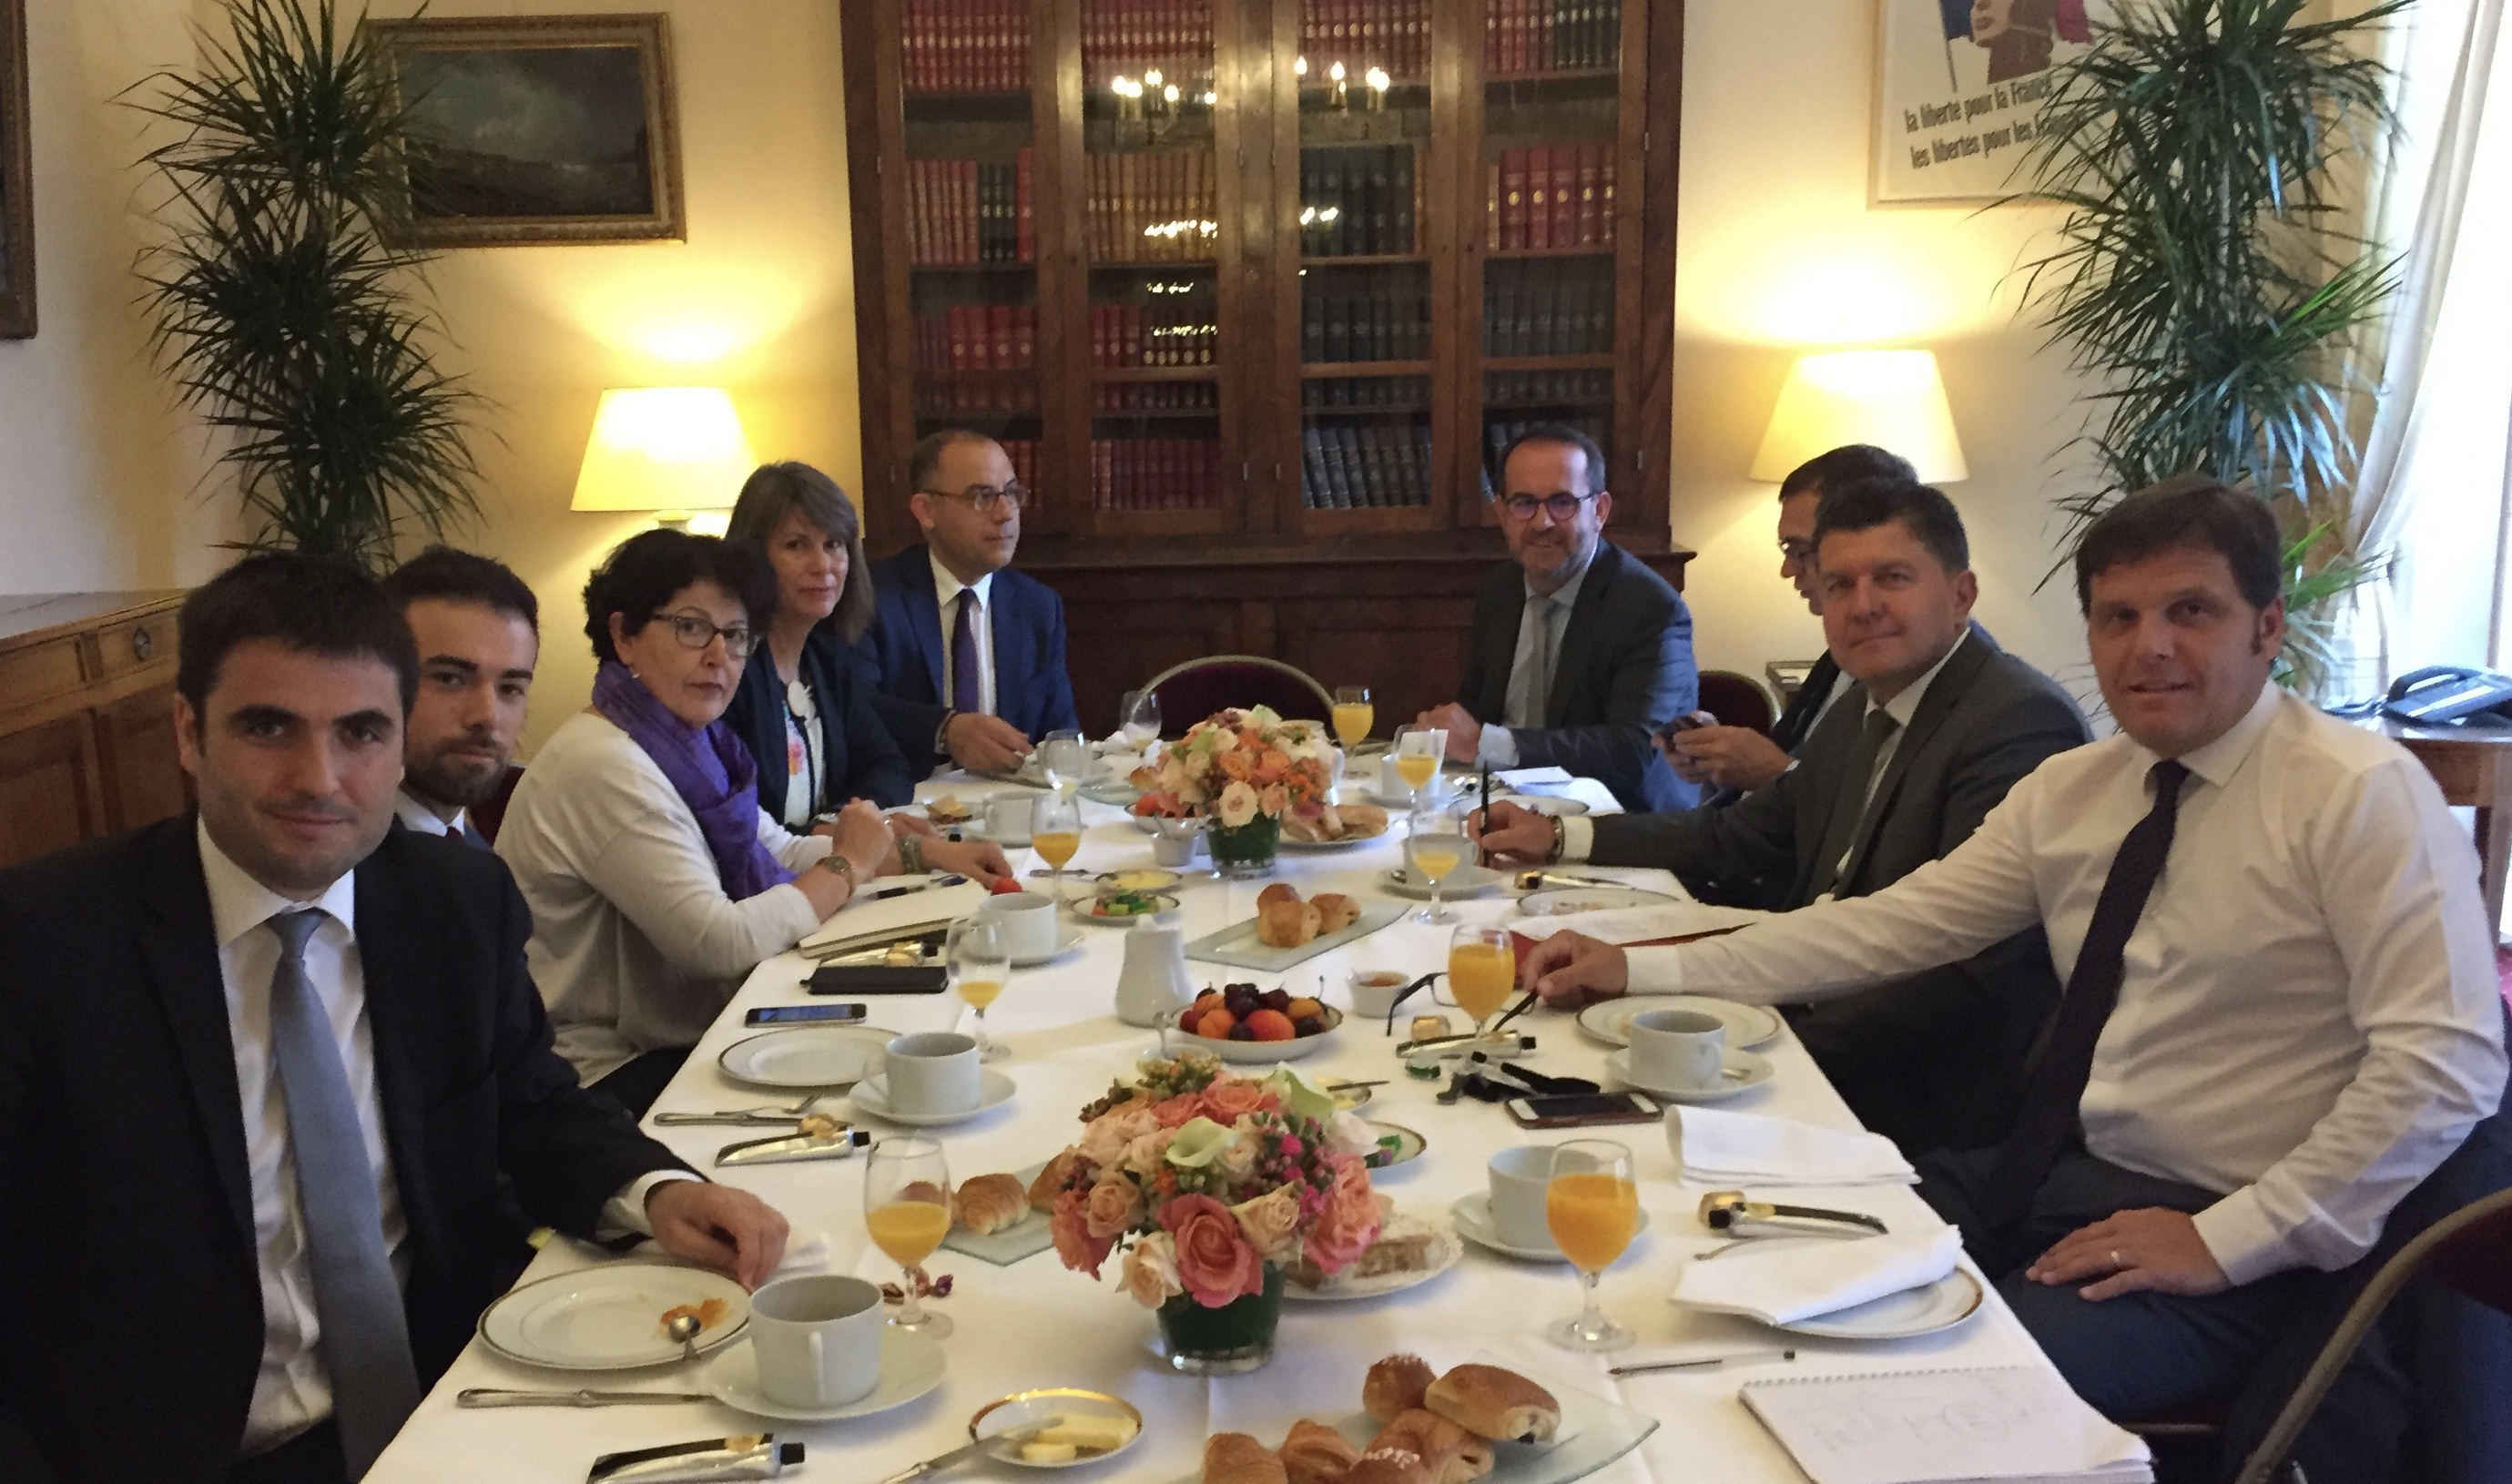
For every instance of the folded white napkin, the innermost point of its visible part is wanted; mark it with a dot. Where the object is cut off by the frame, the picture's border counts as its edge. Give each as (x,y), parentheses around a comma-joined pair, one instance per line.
(1533,777)
(1639,924)
(1797,1279)
(806,1251)
(1719,1148)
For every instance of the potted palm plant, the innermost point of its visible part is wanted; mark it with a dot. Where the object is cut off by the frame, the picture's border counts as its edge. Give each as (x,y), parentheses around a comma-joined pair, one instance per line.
(2203,275)
(282,304)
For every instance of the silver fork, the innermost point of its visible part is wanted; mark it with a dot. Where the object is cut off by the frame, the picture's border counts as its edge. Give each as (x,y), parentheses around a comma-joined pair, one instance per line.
(746,1117)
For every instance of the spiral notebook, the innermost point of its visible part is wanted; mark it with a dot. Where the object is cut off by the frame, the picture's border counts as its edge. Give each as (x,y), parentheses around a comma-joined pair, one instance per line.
(2015,1424)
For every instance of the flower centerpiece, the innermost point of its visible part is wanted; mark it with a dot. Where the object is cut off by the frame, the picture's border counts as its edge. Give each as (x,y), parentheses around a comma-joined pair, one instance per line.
(1205,1184)
(1240,771)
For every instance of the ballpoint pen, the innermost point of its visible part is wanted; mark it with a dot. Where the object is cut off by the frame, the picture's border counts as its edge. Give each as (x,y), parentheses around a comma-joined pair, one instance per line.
(1705,1362)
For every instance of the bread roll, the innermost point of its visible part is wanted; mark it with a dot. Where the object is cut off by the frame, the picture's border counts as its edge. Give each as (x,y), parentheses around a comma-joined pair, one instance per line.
(1235,1458)
(1495,1403)
(1050,1182)
(1389,1466)
(925,1191)
(1394,1386)
(1451,1454)
(1362,818)
(1335,910)
(987,1203)
(1279,891)
(1286,924)
(1317,1454)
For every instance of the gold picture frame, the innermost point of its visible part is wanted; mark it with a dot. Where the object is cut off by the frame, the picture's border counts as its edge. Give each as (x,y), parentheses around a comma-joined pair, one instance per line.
(538,130)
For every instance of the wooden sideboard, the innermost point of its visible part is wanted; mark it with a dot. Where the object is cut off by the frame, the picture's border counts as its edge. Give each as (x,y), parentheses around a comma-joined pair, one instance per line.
(87,724)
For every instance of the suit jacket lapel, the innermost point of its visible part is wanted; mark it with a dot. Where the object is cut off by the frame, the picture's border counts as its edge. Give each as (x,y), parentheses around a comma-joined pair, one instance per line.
(181,948)
(1577,632)
(1500,650)
(923,614)
(400,962)
(1943,692)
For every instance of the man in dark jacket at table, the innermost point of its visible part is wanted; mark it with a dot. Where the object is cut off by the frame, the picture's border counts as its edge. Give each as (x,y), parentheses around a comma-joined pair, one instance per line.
(261,1069)
(965,656)
(1579,653)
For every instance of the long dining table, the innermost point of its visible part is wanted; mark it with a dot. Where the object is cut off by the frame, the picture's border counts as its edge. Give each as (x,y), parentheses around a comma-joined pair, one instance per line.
(1036,1324)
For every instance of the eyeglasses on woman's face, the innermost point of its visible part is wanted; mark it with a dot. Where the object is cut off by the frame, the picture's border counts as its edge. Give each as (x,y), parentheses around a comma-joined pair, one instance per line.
(696,633)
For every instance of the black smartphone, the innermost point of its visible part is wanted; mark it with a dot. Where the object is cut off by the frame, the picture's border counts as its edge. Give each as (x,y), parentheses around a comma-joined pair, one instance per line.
(1684,722)
(877,978)
(816,1015)
(1583,1110)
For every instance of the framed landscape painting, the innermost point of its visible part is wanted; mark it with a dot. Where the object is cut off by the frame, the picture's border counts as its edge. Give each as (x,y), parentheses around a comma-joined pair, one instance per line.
(1958,89)
(17,181)
(538,129)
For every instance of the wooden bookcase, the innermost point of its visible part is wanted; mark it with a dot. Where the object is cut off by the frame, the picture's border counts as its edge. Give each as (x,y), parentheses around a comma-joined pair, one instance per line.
(1253,289)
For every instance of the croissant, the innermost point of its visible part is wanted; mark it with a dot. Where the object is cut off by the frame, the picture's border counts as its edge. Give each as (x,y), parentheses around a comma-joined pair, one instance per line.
(1235,1458)
(1451,1454)
(1317,1454)
(1396,1385)
(1051,1182)
(1495,1403)
(987,1203)
(1335,910)
(1362,818)
(1389,1465)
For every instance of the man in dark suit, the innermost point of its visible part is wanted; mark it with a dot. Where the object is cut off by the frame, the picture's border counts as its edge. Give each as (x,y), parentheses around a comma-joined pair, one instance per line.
(965,656)
(1938,726)
(262,1067)
(1579,653)
(1734,760)
(479,635)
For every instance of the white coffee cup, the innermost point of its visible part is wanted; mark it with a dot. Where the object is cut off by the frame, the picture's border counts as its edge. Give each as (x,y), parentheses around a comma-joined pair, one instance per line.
(932,1072)
(1373,991)
(1519,1175)
(1679,1050)
(1024,922)
(1008,817)
(817,1340)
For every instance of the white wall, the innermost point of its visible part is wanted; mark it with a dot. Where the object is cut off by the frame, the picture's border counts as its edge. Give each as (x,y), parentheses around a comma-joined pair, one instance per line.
(1778,249)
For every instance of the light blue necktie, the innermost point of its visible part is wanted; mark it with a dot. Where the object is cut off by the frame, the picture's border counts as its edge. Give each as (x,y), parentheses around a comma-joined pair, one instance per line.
(365,1332)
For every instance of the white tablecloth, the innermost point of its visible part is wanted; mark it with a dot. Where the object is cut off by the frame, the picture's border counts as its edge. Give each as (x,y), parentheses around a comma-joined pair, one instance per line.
(1036,1324)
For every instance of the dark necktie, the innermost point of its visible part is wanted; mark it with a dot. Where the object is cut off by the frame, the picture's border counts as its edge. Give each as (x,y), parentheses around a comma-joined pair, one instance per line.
(364,1332)
(468,835)
(1851,805)
(967,695)
(2049,1117)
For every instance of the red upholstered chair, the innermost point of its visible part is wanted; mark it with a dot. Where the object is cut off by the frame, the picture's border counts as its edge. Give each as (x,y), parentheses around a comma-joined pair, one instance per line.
(1736,701)
(1195,689)
(490,812)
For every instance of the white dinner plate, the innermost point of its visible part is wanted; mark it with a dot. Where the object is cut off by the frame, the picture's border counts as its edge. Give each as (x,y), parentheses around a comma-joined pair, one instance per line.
(1474,1219)
(1022,1408)
(1748,1025)
(1921,1311)
(609,1317)
(1742,1073)
(911,1365)
(1326,846)
(806,1056)
(1118,794)
(1561,901)
(872,1096)
(1445,1250)
(1071,940)
(1463,882)
(1407,1148)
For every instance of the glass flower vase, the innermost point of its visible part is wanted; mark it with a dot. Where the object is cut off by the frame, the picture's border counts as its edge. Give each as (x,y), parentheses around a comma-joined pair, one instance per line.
(1236,1337)
(1244,853)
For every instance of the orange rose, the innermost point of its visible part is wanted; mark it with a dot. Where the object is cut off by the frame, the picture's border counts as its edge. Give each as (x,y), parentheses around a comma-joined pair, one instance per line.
(1227,1098)
(1349,1224)
(1112,1208)
(1214,1261)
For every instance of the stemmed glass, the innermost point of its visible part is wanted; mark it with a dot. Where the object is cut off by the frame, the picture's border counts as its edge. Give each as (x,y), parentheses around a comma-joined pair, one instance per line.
(907,1209)
(1065,757)
(1435,845)
(1352,715)
(1138,716)
(1593,1208)
(1055,833)
(1482,968)
(1418,753)
(980,963)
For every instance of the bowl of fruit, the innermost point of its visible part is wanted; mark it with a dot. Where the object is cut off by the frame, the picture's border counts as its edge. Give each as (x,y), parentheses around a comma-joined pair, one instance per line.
(1240,1023)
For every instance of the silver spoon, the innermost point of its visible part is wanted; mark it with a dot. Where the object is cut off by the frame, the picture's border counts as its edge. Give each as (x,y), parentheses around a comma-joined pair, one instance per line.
(685,1329)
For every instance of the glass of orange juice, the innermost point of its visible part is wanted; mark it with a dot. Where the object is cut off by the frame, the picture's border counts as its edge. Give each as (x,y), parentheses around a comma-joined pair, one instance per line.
(1436,846)
(1352,715)
(980,963)
(1055,833)
(1592,1209)
(907,1209)
(1482,971)
(1416,756)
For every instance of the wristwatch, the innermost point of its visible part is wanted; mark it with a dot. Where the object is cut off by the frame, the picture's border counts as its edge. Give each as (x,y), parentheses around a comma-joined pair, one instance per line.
(941,734)
(1561,841)
(836,861)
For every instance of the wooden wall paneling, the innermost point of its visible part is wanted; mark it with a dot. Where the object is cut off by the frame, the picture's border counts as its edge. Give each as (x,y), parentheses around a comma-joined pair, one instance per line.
(1409,651)
(1457,51)
(885,332)
(1062,266)
(1655,33)
(52,792)
(1242,261)
(1452,200)
(142,777)
(1115,643)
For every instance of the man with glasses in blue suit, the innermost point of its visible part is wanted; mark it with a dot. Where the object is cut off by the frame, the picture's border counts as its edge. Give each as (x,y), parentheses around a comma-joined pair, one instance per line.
(965,656)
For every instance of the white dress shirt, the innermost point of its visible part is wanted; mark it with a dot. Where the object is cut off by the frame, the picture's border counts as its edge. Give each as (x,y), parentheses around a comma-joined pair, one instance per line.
(1498,748)
(946,593)
(423,816)
(292,1392)
(2308,1018)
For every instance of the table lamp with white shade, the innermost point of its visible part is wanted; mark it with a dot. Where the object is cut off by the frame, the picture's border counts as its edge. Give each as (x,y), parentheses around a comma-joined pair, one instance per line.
(670,449)
(1891,399)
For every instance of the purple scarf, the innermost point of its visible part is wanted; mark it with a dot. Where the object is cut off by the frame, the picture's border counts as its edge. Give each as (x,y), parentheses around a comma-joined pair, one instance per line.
(710,770)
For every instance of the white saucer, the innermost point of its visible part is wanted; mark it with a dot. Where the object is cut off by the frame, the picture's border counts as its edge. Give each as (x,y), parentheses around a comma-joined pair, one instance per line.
(1463,882)
(975,828)
(1744,1072)
(911,1365)
(1472,1217)
(1921,1311)
(1550,804)
(1748,1025)
(803,1056)
(1071,940)
(872,1096)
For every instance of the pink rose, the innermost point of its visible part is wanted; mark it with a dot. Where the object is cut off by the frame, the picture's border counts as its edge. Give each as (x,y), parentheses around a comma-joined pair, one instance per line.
(1104,1136)
(1349,1221)
(1073,1243)
(1228,1098)
(1151,1271)
(1214,1261)
(1170,1112)
(1271,1222)
(1112,1208)
(1145,1154)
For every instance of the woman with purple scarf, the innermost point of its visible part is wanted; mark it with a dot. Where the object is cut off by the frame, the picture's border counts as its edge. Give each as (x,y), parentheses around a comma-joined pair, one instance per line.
(655,880)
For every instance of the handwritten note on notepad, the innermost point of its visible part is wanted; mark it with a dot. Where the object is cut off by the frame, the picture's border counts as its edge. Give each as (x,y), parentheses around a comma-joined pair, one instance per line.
(2017,1425)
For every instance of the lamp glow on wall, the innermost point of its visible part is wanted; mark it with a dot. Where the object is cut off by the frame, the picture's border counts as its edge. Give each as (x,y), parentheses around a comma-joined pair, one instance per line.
(669,449)
(1891,399)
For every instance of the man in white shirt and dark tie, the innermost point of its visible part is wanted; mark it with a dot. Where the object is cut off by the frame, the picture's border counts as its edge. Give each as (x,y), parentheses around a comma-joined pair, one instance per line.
(2281,1010)
(324,1051)
(478,629)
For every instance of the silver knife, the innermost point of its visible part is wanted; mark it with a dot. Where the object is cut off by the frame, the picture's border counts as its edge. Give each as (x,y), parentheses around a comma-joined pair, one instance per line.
(496,1396)
(784,1149)
(958,1456)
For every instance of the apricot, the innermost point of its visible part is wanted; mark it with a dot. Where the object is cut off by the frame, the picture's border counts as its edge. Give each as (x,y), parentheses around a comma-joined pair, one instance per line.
(1215,1024)
(1271,1026)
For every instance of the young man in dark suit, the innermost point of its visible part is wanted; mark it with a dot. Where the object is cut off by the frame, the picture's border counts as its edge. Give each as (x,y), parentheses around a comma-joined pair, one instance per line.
(1579,653)
(262,1067)
(965,656)
(1938,726)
